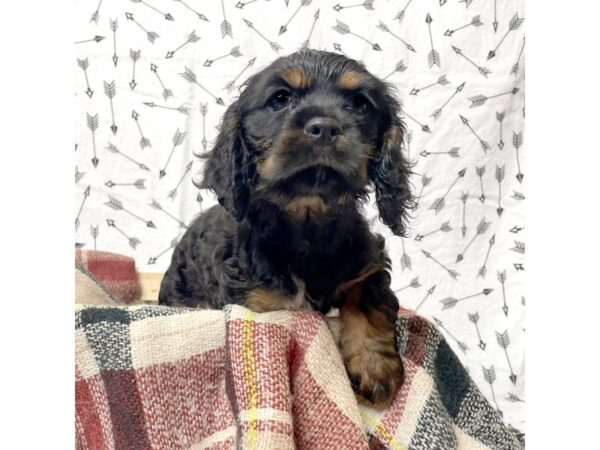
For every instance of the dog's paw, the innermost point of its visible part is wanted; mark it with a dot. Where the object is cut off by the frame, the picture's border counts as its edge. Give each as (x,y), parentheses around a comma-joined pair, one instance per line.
(375,376)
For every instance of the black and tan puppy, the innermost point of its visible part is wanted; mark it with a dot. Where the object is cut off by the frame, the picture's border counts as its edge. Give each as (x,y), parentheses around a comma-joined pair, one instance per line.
(296,155)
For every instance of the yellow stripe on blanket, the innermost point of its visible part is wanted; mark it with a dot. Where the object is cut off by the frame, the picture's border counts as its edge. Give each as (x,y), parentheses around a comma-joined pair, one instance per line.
(381,430)
(250,378)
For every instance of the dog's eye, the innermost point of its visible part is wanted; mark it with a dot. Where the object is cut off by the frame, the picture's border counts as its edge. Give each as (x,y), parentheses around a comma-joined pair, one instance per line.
(359,103)
(280,100)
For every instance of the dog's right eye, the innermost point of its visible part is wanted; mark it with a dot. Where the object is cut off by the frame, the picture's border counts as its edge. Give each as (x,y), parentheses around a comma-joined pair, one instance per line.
(279,100)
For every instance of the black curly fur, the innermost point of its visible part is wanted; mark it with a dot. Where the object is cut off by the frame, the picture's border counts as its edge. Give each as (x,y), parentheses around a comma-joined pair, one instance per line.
(251,240)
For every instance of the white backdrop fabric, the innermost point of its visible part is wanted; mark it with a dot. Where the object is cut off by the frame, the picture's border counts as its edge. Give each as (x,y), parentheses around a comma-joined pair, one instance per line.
(458,66)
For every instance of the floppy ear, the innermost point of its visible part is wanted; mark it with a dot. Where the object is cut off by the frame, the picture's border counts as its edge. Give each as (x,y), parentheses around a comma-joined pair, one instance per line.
(389,172)
(228,170)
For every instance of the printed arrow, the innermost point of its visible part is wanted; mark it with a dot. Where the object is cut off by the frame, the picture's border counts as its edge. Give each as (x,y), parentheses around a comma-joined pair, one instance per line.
(400,67)
(519,247)
(475,22)
(383,27)
(440,202)
(84,64)
(229,86)
(167,16)
(157,205)
(451,302)
(240,5)
(424,127)
(515,67)
(490,376)
(203,111)
(134,55)
(478,100)
(138,184)
(86,194)
(166,93)
(483,269)
(405,262)
(235,52)
(183,109)
(466,2)
(433,58)
(517,141)
(367,4)
(484,145)
(513,398)
(427,295)
(96,14)
(338,48)
(94,39)
(453,152)
(177,140)
(110,91)
(502,278)
(153,259)
(92,123)
(504,341)
(274,45)
(190,39)
(133,242)
(516,229)
(151,35)
(481,228)
(409,135)
(445,227)
(499,178)
(144,141)
(438,112)
(500,119)
(306,43)
(495,23)
(518,195)
(463,198)
(343,28)
(414,283)
(514,24)
(173,192)
(484,71)
(461,344)
(117,205)
(400,16)
(475,319)
(283,27)
(480,172)
(425,180)
(226,29)
(198,14)
(442,81)
(78,175)
(94,232)
(191,77)
(114,149)
(114,24)
(453,273)
(519,267)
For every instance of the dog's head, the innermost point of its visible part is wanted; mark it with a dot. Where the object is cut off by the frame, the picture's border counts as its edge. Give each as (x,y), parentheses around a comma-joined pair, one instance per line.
(312,131)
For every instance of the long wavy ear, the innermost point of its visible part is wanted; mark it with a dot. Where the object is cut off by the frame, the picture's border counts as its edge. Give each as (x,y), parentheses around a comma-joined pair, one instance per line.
(229,170)
(389,173)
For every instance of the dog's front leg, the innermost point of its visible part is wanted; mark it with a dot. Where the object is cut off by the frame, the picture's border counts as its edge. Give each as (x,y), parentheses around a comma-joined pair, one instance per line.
(367,338)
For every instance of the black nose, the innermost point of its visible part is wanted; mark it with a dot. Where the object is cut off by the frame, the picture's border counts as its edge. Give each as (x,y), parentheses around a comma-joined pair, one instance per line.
(323,129)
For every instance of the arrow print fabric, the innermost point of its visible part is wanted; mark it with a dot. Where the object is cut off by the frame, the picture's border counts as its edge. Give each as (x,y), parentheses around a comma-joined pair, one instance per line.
(154,78)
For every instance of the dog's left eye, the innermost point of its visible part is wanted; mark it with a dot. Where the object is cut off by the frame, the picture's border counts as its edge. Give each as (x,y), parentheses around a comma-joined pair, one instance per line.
(280,100)
(359,103)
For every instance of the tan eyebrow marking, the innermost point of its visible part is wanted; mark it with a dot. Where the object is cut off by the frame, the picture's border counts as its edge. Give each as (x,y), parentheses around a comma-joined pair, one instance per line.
(295,77)
(350,80)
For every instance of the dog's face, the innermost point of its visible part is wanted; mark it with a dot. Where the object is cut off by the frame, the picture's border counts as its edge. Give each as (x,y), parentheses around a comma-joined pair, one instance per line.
(312,131)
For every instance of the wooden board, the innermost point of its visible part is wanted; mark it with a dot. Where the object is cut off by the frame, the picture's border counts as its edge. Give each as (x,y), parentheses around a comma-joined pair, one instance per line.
(150,286)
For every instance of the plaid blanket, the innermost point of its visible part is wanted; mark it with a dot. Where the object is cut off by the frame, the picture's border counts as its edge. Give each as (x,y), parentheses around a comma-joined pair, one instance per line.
(154,377)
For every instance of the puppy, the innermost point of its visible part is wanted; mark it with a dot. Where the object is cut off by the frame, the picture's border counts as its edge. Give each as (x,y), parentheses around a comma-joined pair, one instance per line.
(297,154)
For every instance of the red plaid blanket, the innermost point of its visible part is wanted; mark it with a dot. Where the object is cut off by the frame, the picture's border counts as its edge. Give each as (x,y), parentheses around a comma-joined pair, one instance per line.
(153,377)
